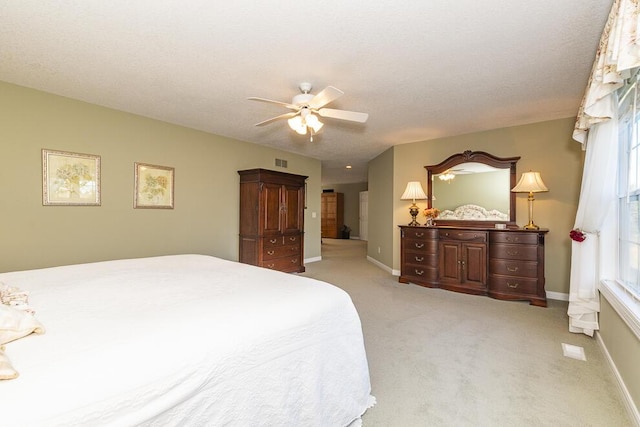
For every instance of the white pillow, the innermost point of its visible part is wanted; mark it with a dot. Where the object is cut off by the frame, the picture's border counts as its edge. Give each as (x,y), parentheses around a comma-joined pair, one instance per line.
(6,369)
(15,324)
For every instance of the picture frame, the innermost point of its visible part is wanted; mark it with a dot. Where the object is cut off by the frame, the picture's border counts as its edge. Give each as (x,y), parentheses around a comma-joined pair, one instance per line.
(70,179)
(154,186)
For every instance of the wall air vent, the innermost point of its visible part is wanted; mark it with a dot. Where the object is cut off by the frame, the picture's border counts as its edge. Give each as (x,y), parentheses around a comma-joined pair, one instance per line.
(281,163)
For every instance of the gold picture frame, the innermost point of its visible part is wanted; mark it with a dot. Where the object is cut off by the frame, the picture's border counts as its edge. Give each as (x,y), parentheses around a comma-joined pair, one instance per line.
(153,186)
(70,179)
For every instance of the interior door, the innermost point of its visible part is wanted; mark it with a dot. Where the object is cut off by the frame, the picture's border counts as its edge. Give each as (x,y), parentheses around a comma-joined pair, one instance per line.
(364,215)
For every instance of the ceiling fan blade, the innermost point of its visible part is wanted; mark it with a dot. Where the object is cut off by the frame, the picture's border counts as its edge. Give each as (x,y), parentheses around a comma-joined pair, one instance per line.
(343,115)
(281,116)
(271,101)
(327,95)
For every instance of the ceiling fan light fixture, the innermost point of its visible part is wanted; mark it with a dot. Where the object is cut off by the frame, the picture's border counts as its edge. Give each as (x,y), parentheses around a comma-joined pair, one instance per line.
(312,121)
(298,125)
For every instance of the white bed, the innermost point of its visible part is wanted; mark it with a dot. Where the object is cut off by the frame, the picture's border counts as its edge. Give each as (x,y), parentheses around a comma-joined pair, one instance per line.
(187,340)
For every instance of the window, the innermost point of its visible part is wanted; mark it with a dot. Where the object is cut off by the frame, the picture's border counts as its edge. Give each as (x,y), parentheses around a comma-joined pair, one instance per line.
(624,293)
(629,189)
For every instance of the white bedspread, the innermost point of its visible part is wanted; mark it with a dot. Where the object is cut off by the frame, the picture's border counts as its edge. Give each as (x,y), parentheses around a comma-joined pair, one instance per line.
(185,340)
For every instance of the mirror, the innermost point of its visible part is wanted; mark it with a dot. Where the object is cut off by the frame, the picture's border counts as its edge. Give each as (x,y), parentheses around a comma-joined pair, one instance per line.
(473,188)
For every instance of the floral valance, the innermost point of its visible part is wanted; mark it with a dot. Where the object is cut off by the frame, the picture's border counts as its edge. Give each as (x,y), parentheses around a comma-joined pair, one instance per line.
(618,52)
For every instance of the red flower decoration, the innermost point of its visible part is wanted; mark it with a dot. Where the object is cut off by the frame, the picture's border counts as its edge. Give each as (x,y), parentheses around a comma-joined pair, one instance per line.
(577,235)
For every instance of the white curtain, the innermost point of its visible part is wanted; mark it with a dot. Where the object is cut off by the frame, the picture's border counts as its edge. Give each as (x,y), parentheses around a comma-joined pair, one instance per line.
(596,128)
(597,199)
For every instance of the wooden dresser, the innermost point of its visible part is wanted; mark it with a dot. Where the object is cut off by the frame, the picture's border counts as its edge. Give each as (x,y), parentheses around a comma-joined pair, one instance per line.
(272,219)
(503,264)
(332,215)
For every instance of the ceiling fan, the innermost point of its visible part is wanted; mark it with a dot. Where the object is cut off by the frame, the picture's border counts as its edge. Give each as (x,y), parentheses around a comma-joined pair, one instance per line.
(306,108)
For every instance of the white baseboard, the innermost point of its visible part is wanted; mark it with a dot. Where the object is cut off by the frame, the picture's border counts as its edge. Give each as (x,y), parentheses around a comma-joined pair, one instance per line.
(626,396)
(559,296)
(314,259)
(382,266)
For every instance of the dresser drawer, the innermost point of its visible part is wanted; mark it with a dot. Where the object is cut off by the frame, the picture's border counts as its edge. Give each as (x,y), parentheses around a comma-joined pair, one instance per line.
(509,251)
(420,246)
(513,285)
(419,273)
(517,238)
(420,259)
(514,268)
(420,233)
(464,235)
(273,252)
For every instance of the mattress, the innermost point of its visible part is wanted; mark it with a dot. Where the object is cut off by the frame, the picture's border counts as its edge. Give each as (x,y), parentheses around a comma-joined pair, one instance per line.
(187,340)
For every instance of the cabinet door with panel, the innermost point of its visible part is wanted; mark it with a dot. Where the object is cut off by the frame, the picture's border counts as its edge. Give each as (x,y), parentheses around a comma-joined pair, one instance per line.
(463,260)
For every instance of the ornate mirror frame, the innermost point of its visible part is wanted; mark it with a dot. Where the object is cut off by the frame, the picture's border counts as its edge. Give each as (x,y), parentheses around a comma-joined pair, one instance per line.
(477,157)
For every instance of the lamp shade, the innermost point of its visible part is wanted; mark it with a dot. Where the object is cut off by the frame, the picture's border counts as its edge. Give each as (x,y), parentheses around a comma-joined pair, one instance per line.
(530,182)
(413,192)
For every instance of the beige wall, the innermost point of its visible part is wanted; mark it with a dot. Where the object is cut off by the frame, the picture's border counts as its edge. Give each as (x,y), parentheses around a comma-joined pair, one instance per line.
(351,203)
(623,347)
(546,147)
(382,225)
(205,218)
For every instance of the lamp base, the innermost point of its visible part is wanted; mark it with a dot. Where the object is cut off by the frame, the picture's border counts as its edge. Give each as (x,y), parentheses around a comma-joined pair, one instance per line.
(531,226)
(413,211)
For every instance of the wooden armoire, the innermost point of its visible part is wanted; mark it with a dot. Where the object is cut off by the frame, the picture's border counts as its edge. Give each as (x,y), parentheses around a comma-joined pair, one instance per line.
(332,215)
(272,219)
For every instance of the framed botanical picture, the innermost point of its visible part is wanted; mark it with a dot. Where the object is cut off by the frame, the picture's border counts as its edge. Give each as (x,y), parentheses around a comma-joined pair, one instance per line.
(70,179)
(153,186)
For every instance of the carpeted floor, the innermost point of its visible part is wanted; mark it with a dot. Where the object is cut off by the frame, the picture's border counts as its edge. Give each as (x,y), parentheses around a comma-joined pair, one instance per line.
(440,358)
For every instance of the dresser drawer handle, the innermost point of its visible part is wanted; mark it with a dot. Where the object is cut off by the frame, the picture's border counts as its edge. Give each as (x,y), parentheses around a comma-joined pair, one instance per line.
(293,239)
(294,261)
(512,285)
(512,269)
(271,265)
(511,239)
(419,245)
(273,240)
(419,258)
(271,252)
(419,272)
(419,234)
(512,253)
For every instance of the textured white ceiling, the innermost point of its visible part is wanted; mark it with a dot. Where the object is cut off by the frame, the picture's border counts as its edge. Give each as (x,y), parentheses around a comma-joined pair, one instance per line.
(421,69)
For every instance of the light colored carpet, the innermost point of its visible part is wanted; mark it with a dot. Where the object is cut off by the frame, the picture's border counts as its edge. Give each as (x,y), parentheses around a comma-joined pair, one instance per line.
(440,358)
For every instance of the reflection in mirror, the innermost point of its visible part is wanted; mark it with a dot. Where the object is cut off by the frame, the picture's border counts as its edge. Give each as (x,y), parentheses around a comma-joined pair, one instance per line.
(473,188)
(473,184)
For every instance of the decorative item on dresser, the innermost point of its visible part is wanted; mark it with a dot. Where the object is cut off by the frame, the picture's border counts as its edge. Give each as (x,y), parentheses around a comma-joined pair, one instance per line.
(530,182)
(413,192)
(500,263)
(272,219)
(332,215)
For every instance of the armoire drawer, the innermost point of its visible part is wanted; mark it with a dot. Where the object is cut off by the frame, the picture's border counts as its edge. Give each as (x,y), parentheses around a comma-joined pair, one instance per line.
(273,252)
(290,263)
